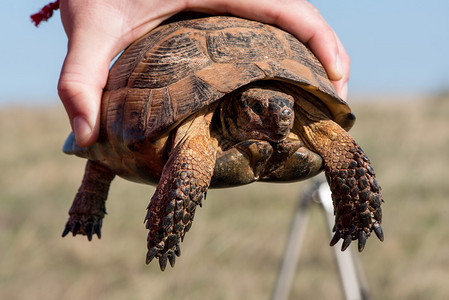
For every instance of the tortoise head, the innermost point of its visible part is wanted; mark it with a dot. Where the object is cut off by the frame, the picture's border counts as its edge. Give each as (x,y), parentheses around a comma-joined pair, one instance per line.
(258,112)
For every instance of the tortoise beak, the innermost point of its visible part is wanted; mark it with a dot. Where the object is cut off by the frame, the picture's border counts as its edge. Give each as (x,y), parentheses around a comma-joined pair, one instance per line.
(286,116)
(285,122)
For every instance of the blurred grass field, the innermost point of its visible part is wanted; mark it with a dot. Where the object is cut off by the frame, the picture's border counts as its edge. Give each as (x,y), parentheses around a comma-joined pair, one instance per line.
(235,246)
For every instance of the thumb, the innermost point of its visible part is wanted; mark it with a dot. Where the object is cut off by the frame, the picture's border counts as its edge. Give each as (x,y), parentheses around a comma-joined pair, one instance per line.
(83,77)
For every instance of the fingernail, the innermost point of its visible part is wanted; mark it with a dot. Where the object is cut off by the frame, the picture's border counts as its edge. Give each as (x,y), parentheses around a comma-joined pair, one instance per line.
(82,130)
(344,92)
(339,66)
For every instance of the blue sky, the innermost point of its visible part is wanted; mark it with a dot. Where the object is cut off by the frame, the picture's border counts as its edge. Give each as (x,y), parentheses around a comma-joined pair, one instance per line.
(395,47)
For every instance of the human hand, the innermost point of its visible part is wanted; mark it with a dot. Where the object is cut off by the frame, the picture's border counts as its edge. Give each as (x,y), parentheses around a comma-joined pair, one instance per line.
(98,30)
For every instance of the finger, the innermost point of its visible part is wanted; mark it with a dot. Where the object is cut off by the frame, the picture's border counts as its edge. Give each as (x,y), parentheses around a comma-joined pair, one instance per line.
(341,85)
(304,21)
(83,77)
(309,27)
(313,30)
(84,72)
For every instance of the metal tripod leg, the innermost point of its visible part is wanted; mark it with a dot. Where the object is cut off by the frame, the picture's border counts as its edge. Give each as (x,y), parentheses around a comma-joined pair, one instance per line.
(351,276)
(296,237)
(352,279)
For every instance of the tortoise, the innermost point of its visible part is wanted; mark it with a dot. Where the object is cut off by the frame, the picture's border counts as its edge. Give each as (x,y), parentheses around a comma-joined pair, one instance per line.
(215,102)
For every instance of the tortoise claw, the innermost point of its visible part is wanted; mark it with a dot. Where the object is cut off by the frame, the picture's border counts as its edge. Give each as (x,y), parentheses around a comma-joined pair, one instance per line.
(76,228)
(362,241)
(347,239)
(89,231)
(335,239)
(378,231)
(362,236)
(346,242)
(84,226)
(166,250)
(151,254)
(97,229)
(171,258)
(177,251)
(67,229)
(163,261)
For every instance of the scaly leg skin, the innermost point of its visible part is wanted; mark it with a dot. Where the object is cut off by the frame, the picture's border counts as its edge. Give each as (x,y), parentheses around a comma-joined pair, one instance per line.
(355,192)
(183,184)
(88,208)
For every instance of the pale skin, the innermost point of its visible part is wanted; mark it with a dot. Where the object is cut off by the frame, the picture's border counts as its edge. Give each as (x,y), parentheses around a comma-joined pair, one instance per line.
(98,30)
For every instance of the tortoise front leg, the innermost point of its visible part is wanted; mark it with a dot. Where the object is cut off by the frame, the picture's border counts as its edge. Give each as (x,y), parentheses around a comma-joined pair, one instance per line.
(356,194)
(185,179)
(88,207)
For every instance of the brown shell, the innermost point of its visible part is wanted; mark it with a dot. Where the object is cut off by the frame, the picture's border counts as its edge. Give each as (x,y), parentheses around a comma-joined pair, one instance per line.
(180,67)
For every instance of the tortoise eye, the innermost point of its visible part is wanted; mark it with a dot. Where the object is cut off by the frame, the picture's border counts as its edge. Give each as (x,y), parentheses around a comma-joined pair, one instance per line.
(257,108)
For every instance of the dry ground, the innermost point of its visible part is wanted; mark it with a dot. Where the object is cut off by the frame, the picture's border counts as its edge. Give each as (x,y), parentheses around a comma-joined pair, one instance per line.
(235,245)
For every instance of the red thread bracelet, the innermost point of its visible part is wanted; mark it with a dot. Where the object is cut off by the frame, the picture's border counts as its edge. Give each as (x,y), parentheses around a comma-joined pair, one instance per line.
(45,13)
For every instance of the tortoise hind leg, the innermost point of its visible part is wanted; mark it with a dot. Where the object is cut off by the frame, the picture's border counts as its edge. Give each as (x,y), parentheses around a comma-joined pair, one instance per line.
(183,184)
(88,207)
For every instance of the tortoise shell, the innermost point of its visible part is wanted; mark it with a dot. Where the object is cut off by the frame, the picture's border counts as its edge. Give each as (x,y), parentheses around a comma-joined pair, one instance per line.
(180,67)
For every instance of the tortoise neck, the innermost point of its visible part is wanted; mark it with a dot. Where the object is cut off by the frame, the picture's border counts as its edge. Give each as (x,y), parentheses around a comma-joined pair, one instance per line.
(228,119)
(315,126)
